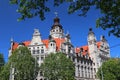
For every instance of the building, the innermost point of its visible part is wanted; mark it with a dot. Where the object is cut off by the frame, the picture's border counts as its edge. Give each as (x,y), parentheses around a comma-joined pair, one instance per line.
(87,59)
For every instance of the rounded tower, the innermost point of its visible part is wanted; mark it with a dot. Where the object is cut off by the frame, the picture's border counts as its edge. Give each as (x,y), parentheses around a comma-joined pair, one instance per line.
(56,29)
(52,45)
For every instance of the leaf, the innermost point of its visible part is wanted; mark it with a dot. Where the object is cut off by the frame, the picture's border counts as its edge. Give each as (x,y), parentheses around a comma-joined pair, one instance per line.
(25,65)
(58,66)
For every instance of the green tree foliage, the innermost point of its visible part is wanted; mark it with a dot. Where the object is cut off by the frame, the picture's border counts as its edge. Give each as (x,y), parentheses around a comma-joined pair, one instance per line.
(31,8)
(57,66)
(26,67)
(2,62)
(109,8)
(110,70)
(5,72)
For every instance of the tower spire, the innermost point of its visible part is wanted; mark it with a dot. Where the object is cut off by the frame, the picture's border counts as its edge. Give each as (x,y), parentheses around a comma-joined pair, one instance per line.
(11,39)
(56,14)
(56,29)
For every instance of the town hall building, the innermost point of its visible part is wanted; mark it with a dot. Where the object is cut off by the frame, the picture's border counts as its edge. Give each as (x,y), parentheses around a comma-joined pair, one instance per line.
(87,58)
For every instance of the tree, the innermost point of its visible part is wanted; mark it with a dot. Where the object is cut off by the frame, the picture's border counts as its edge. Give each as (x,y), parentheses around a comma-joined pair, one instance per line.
(110,70)
(23,65)
(109,8)
(2,62)
(57,66)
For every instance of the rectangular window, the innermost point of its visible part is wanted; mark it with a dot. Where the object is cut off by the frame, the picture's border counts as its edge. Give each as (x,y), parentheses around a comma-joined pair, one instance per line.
(37,58)
(41,74)
(33,51)
(42,58)
(42,50)
(38,51)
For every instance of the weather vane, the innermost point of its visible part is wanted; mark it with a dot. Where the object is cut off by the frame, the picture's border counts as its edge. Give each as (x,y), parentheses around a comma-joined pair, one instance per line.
(56,14)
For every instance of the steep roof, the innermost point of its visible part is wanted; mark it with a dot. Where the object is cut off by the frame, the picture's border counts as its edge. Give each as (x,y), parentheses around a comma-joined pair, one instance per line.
(14,46)
(58,41)
(85,49)
(46,42)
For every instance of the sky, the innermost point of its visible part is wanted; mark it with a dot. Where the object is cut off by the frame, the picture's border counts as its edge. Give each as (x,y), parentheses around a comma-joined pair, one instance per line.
(77,26)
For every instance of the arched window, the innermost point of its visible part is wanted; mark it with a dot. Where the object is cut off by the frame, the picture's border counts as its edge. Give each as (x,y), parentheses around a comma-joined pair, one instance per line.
(53,30)
(51,44)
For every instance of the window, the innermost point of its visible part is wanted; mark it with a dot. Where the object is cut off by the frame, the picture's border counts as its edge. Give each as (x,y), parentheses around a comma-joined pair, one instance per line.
(37,58)
(51,44)
(33,52)
(42,58)
(60,30)
(38,51)
(41,74)
(94,70)
(53,30)
(69,49)
(81,61)
(73,59)
(42,50)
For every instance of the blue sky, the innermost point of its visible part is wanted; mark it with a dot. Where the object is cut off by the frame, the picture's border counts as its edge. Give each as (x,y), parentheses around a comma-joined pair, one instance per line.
(77,27)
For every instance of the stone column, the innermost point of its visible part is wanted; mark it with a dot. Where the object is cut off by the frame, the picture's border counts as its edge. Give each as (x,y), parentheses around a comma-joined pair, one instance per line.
(76,71)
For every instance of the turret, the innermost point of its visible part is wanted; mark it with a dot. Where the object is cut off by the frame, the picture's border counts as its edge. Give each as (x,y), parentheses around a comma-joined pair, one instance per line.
(56,30)
(105,46)
(52,45)
(67,38)
(11,44)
